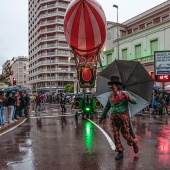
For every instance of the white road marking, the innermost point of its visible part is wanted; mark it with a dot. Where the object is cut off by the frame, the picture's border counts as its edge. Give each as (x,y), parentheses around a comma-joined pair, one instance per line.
(13,127)
(55,110)
(112,145)
(67,113)
(52,116)
(55,114)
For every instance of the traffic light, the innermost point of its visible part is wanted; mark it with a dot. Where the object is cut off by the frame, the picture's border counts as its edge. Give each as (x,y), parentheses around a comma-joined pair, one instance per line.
(14,81)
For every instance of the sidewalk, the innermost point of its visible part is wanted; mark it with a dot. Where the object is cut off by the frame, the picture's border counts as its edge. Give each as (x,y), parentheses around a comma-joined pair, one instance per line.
(9,126)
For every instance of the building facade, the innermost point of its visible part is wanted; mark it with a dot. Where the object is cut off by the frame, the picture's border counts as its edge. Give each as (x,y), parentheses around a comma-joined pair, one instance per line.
(50,60)
(19,67)
(20,70)
(139,37)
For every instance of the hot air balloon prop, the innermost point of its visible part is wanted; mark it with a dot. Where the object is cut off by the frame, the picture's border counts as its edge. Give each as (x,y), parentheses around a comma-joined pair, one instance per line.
(85,32)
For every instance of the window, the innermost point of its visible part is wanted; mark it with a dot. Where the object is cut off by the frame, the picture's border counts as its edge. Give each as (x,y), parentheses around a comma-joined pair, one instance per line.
(142,26)
(154,46)
(138,51)
(124,54)
(156,20)
(60,83)
(130,31)
(109,59)
(122,33)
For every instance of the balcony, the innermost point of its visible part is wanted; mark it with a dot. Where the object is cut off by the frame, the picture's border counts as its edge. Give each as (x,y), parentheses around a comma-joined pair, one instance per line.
(63,61)
(146,59)
(60,20)
(42,1)
(44,31)
(47,22)
(53,5)
(47,46)
(48,78)
(47,62)
(62,45)
(48,15)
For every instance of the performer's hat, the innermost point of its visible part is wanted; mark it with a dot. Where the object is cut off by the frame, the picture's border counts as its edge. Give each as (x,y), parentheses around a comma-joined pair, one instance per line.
(114,80)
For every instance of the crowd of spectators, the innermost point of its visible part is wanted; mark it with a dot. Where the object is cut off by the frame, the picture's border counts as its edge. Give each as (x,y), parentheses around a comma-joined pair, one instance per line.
(13,105)
(160,101)
(40,98)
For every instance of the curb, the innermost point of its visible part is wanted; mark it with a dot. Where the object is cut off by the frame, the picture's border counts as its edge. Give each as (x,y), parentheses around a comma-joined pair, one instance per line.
(3,133)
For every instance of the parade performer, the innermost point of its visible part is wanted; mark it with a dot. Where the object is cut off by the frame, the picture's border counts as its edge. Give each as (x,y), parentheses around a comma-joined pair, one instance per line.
(118,102)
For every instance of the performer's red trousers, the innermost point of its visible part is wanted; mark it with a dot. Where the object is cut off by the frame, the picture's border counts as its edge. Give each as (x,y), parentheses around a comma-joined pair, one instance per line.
(120,121)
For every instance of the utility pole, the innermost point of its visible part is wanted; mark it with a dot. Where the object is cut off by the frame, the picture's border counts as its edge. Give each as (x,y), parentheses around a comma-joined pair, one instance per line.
(115,6)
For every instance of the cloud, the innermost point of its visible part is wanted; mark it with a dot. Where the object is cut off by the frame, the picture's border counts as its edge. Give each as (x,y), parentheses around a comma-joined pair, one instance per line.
(14,29)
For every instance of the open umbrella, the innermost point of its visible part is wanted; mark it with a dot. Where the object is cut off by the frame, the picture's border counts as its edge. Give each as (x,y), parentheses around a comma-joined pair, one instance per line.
(167,89)
(135,79)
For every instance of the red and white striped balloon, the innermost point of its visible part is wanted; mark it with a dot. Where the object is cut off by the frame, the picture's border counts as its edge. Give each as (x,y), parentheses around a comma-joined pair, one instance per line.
(85,26)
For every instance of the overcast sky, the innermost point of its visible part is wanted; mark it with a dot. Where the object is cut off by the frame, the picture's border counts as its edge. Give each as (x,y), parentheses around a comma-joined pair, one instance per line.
(14,22)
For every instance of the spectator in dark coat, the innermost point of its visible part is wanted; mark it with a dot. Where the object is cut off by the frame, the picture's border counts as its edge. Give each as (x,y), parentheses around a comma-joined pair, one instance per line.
(63,102)
(22,104)
(27,104)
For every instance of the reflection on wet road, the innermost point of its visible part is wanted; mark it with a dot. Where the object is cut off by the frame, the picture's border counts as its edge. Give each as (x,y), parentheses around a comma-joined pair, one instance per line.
(60,143)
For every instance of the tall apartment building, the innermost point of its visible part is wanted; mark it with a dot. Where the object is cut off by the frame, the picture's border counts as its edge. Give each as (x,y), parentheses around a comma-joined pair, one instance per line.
(19,67)
(50,64)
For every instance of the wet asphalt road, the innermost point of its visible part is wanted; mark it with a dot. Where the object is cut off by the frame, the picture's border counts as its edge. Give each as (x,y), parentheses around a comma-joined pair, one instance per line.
(60,143)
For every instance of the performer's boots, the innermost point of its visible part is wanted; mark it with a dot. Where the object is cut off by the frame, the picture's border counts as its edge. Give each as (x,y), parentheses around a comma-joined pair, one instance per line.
(119,155)
(135,147)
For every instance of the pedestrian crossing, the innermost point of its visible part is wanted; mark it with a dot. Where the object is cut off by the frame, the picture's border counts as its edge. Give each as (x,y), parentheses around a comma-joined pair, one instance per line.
(49,113)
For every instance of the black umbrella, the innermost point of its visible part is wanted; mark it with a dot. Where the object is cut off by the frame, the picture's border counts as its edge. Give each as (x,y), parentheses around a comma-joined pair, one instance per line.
(135,79)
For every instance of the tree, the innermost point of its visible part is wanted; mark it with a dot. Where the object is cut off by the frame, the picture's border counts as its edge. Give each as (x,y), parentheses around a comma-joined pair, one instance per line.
(69,88)
(7,82)
(6,73)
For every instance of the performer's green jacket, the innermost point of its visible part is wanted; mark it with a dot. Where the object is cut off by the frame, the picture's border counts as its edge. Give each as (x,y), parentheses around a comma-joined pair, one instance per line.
(120,107)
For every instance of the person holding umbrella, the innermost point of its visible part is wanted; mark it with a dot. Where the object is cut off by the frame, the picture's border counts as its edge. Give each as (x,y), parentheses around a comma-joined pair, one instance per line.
(118,102)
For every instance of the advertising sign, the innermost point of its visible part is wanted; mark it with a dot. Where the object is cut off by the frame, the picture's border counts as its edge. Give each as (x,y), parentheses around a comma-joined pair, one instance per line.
(162,62)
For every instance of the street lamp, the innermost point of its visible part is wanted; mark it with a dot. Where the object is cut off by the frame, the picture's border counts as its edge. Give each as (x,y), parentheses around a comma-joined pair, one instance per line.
(115,6)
